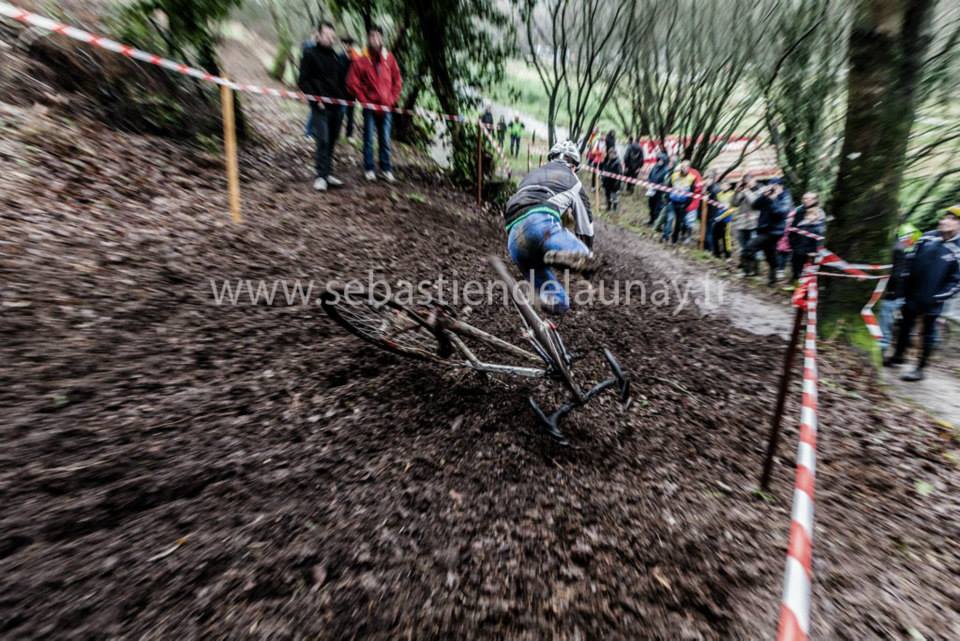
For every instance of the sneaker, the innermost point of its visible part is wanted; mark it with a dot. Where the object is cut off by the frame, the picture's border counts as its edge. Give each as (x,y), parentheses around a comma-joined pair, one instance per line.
(320,184)
(572,260)
(892,361)
(333,181)
(916,374)
(369,175)
(389,177)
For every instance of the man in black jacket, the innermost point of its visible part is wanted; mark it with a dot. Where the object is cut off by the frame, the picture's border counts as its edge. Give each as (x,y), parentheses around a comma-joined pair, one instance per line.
(771,225)
(633,161)
(931,277)
(323,73)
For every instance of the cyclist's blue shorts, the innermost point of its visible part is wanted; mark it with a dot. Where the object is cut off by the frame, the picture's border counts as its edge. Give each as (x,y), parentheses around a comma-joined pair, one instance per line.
(530,237)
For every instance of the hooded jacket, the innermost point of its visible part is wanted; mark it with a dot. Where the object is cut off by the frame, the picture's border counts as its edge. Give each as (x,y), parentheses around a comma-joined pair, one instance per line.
(556,187)
(660,171)
(322,73)
(613,166)
(932,273)
(374,77)
(633,158)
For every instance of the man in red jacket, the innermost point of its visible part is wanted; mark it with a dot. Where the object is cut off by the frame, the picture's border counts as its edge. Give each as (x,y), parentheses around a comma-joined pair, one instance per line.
(374,78)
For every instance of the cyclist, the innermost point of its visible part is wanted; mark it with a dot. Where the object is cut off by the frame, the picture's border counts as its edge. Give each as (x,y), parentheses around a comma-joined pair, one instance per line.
(537,240)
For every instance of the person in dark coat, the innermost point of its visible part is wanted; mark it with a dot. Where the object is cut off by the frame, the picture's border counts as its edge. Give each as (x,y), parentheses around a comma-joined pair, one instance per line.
(907,237)
(931,277)
(323,73)
(632,162)
(611,186)
(659,175)
(771,224)
(610,142)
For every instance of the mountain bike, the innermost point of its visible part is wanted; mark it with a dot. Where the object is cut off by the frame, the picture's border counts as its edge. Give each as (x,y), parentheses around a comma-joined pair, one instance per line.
(432,332)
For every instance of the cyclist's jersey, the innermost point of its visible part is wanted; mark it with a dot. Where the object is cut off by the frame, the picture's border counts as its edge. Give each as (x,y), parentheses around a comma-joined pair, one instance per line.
(553,186)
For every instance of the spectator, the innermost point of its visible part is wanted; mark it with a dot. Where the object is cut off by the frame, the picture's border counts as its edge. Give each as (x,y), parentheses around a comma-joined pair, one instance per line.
(375,78)
(713,189)
(487,118)
(516,133)
(932,276)
(633,162)
(659,175)
(501,131)
(721,226)
(809,218)
(784,206)
(688,183)
(611,186)
(352,53)
(771,223)
(745,222)
(610,142)
(322,73)
(907,237)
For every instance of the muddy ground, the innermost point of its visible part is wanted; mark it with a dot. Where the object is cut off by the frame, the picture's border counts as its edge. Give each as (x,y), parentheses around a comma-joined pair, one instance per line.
(176,469)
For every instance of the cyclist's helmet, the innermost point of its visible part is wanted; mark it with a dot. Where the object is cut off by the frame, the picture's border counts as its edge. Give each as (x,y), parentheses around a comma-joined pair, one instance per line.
(567,151)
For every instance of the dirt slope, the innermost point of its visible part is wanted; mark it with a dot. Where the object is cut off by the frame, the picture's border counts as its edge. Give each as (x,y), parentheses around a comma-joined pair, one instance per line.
(171,468)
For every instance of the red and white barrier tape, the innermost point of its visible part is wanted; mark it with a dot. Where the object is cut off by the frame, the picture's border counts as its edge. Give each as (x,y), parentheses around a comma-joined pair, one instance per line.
(102,42)
(829,259)
(798,575)
(655,186)
(487,131)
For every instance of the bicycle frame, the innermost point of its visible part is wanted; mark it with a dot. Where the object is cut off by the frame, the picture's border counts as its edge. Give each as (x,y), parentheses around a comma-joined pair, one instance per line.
(453,329)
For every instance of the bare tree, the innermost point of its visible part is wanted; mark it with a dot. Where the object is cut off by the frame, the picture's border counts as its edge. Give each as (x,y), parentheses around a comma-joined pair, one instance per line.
(687,79)
(803,93)
(932,173)
(580,50)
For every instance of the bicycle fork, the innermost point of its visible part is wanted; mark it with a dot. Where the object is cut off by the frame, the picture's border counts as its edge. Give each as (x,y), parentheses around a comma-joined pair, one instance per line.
(552,422)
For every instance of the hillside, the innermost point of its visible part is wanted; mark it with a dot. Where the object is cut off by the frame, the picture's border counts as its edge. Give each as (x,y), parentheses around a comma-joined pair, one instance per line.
(172,468)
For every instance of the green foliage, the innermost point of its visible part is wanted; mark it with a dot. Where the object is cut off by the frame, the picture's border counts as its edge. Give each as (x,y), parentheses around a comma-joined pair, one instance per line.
(803,93)
(187,29)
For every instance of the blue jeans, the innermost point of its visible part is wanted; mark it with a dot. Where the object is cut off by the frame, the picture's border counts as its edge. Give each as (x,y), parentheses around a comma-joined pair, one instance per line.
(676,219)
(888,307)
(382,124)
(529,240)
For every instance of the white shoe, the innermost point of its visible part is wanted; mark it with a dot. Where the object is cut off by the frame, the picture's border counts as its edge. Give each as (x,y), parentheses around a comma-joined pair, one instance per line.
(369,175)
(388,176)
(333,181)
(320,184)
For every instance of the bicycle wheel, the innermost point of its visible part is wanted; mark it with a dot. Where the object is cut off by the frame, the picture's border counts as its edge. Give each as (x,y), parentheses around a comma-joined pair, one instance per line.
(387,324)
(544,333)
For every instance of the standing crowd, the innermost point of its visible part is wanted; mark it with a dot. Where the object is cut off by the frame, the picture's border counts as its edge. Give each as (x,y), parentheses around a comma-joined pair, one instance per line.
(335,69)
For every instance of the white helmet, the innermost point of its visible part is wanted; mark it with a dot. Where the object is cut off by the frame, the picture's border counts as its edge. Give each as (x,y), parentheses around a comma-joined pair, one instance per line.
(566,151)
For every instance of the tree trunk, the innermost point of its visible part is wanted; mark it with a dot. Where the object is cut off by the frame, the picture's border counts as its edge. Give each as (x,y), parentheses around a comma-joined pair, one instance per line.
(888,42)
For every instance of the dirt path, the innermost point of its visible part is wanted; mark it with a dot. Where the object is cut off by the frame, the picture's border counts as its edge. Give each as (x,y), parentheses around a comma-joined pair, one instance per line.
(171,468)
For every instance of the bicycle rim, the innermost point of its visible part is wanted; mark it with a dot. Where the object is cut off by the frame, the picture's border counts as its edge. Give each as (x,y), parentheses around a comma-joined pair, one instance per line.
(385,323)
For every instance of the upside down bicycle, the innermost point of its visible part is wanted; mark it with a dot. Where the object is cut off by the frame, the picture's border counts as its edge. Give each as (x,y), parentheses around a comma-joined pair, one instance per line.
(433,333)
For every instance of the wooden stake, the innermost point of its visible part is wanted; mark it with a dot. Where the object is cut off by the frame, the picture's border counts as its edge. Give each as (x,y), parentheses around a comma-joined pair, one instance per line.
(479,164)
(528,158)
(781,400)
(230,151)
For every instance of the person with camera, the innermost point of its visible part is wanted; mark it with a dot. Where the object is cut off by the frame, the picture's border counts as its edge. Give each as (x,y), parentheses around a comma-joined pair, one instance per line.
(771,225)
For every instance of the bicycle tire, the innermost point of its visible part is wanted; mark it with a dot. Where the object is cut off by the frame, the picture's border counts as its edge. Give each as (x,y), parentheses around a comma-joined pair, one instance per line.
(429,344)
(541,330)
